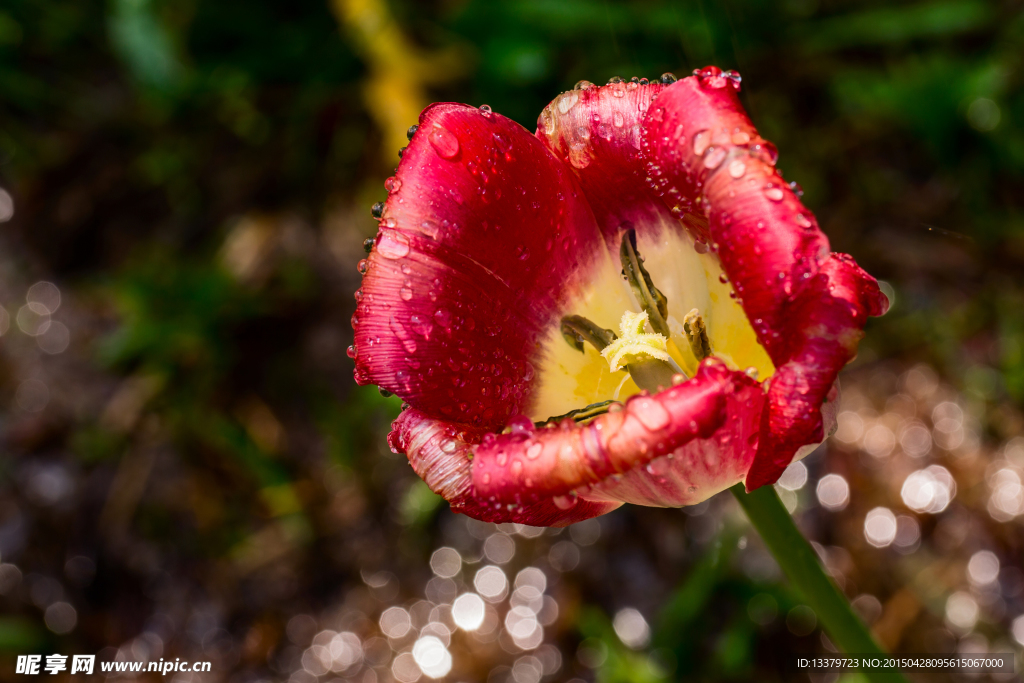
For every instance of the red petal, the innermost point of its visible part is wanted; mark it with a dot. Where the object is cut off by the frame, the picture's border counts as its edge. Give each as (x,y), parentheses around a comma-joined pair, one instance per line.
(674,448)
(597,131)
(484,234)
(440,451)
(807,306)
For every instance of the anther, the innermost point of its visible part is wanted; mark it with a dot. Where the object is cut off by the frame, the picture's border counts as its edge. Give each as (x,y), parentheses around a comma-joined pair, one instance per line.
(697,334)
(580,414)
(576,329)
(651,299)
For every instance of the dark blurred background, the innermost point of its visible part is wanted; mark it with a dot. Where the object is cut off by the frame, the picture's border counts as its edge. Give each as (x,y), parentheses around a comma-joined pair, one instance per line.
(189,471)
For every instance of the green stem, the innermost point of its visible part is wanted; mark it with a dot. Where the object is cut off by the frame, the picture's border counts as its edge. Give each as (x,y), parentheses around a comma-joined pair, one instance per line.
(800,563)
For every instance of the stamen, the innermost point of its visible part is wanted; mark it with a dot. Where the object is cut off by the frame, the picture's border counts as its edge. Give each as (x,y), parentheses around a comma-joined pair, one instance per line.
(697,334)
(576,329)
(581,414)
(634,345)
(652,301)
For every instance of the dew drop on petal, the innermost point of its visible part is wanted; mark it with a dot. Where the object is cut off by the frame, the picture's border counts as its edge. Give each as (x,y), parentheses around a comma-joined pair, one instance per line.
(408,343)
(651,413)
(444,142)
(737,169)
(565,502)
(618,119)
(740,137)
(700,142)
(773,193)
(803,221)
(392,245)
(568,101)
(405,293)
(443,317)
(714,157)
(392,184)
(430,228)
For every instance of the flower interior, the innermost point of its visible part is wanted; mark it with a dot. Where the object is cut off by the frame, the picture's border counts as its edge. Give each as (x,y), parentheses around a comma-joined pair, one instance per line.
(690,276)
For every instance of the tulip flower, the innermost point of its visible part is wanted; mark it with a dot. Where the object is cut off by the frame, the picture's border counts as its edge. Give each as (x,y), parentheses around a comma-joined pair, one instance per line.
(630,305)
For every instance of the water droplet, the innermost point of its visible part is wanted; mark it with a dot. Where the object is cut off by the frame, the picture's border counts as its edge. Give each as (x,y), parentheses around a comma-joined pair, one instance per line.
(443,317)
(392,184)
(534,451)
(448,446)
(430,228)
(766,152)
(421,325)
(650,412)
(521,425)
(668,77)
(581,85)
(803,221)
(503,143)
(565,502)
(444,142)
(714,157)
(701,141)
(485,109)
(568,100)
(740,137)
(579,155)
(405,292)
(737,168)
(408,343)
(392,245)
(548,120)
(351,351)
(700,247)
(618,119)
(773,192)
(363,266)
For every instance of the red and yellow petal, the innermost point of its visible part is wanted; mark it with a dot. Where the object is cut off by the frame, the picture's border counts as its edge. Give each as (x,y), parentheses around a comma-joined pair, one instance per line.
(441,453)
(677,447)
(807,305)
